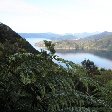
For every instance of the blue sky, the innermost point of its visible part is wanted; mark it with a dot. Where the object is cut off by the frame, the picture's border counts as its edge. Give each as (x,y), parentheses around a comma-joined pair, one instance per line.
(57,16)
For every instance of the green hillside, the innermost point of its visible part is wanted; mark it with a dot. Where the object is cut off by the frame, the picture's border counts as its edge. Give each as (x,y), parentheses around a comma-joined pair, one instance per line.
(31,81)
(104,43)
(101,41)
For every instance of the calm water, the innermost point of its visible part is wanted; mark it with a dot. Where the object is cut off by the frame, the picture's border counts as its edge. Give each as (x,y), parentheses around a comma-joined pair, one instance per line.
(100,58)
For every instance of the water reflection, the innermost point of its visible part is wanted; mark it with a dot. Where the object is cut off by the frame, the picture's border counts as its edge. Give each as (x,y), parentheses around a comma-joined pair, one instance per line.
(100,58)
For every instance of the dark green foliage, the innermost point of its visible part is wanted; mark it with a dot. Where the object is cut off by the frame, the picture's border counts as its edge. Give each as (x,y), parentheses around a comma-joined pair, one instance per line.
(50,46)
(90,67)
(30,82)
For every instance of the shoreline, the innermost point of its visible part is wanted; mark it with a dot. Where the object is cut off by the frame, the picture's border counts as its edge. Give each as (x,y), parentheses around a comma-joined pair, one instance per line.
(76,49)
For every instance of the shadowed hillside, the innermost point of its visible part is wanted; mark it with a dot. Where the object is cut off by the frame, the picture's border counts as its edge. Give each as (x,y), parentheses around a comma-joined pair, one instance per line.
(11,42)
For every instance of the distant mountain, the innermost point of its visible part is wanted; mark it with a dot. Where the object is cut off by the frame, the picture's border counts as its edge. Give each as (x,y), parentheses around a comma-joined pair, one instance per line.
(11,42)
(50,36)
(99,36)
(102,41)
(53,36)
(85,34)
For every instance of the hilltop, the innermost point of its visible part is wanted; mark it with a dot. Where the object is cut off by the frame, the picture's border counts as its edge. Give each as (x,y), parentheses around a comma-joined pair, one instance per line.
(11,42)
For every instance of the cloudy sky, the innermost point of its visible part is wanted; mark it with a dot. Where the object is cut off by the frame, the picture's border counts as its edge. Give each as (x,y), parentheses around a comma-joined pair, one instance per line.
(57,16)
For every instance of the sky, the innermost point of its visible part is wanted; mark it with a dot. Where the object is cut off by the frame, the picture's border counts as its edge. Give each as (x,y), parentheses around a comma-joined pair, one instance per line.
(57,16)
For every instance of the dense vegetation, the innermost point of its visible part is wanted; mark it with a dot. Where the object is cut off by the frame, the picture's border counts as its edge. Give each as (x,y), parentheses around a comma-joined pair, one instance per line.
(102,41)
(32,82)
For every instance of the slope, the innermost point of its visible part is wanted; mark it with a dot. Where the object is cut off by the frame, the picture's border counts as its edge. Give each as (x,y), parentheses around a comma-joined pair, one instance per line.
(11,42)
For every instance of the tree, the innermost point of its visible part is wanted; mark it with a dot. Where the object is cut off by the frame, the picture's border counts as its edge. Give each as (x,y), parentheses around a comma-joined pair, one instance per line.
(91,68)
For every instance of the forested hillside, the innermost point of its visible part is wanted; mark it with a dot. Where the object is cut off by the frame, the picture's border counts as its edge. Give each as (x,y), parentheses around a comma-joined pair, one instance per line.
(31,81)
(102,41)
